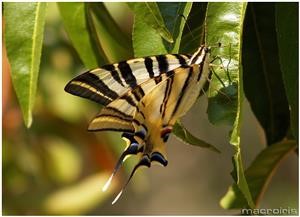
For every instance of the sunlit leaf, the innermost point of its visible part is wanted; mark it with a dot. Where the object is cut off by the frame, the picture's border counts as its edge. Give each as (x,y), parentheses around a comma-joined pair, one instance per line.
(224,22)
(24,28)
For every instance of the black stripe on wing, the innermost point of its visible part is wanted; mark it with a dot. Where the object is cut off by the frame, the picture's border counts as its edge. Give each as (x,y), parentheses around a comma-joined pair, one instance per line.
(88,85)
(126,73)
(186,83)
(111,68)
(166,97)
(138,93)
(129,99)
(181,60)
(111,119)
(111,110)
(163,64)
(149,66)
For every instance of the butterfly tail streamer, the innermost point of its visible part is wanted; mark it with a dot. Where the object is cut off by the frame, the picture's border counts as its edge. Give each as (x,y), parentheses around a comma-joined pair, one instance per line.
(133,148)
(144,161)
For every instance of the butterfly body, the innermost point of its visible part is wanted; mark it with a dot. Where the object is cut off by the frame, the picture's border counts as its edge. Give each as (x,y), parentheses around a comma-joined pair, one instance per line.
(144,98)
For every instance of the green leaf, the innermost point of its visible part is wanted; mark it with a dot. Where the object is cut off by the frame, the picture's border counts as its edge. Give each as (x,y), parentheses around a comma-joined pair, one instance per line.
(171,13)
(261,67)
(224,24)
(24,27)
(116,44)
(146,40)
(184,135)
(152,17)
(286,15)
(81,30)
(259,174)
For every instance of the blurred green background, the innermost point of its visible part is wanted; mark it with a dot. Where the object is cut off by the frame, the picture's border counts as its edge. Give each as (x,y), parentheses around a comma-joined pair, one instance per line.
(57,167)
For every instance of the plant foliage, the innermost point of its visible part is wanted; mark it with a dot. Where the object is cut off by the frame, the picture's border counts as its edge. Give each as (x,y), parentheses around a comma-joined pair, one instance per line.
(257,59)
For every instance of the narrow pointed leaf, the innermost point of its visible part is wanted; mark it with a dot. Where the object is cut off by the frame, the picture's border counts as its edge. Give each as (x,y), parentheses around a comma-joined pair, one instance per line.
(24,28)
(224,24)
(152,17)
(258,174)
(287,37)
(184,135)
(81,30)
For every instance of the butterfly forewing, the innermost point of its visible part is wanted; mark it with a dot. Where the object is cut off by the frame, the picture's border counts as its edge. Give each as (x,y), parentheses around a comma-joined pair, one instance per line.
(105,84)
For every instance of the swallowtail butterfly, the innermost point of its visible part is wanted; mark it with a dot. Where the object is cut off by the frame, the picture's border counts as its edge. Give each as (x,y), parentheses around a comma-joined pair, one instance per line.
(143,98)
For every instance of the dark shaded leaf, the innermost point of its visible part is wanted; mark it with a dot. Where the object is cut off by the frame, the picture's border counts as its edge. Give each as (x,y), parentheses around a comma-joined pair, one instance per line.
(193,33)
(263,83)
(24,28)
(184,135)
(287,36)
(258,175)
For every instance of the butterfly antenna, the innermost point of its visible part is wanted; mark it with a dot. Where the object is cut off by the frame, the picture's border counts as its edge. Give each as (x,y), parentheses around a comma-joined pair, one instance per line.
(217,76)
(228,64)
(226,69)
(132,149)
(145,161)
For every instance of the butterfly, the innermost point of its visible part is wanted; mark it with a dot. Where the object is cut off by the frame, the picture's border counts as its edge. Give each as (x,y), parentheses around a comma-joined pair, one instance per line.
(143,98)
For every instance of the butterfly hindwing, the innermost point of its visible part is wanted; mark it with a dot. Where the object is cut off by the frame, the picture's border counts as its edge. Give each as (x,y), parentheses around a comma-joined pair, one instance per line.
(118,115)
